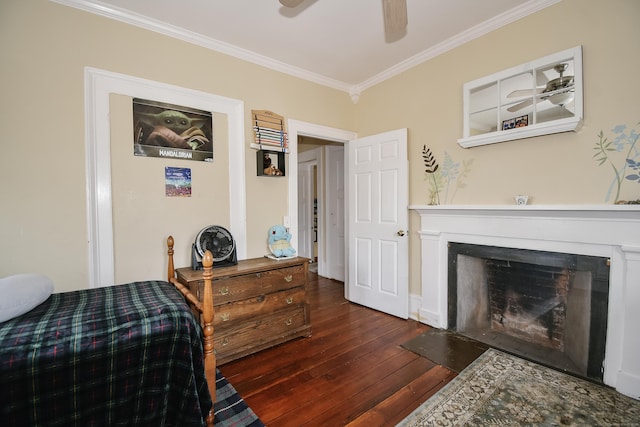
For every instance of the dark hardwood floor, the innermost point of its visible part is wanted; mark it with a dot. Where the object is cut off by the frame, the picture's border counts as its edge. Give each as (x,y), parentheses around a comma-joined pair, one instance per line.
(351,371)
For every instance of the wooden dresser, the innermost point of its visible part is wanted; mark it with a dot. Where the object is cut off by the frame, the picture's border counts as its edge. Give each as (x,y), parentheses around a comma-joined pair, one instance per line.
(258,303)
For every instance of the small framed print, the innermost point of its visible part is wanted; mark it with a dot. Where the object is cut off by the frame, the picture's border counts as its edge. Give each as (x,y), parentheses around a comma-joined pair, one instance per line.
(516,122)
(508,124)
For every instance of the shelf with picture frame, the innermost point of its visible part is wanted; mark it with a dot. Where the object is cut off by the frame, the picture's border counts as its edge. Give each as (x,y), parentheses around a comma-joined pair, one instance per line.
(545,96)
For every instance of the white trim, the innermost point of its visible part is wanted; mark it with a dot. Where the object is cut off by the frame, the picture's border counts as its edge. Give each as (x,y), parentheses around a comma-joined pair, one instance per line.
(611,231)
(309,159)
(472,33)
(99,84)
(572,124)
(132,18)
(138,20)
(297,128)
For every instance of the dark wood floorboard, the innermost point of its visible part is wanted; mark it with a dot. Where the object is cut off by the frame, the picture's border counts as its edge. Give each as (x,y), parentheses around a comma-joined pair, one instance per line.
(352,370)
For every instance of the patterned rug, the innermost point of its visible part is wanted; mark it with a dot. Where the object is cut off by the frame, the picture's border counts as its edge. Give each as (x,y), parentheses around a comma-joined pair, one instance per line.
(230,410)
(502,390)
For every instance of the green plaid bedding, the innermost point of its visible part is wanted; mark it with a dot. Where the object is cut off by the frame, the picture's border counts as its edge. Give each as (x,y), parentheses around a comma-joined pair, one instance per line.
(126,355)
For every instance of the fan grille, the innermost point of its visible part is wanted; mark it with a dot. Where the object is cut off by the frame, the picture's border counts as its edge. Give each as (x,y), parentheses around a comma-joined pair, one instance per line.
(217,240)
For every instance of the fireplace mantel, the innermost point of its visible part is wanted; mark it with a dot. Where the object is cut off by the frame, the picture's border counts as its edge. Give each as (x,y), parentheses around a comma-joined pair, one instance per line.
(611,231)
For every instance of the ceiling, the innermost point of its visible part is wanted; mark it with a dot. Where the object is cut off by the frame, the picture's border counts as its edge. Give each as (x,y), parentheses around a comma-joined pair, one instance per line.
(337,43)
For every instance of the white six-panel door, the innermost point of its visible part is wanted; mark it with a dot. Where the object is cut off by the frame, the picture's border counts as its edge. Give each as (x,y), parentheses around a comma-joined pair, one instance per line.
(335,225)
(305,194)
(378,245)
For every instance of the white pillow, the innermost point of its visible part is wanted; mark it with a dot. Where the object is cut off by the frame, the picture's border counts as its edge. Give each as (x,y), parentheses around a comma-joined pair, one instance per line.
(21,293)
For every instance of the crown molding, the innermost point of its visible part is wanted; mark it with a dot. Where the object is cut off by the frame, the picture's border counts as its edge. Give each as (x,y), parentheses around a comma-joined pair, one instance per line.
(479,30)
(147,23)
(354,91)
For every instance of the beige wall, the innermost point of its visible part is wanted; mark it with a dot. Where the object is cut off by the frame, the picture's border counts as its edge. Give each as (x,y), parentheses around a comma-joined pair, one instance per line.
(43,221)
(45,47)
(554,169)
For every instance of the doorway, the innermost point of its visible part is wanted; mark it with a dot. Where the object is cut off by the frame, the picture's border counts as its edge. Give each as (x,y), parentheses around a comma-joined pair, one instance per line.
(321,219)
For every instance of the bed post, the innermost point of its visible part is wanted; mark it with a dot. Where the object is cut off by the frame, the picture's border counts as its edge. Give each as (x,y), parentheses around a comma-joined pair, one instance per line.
(205,307)
(170,270)
(207,327)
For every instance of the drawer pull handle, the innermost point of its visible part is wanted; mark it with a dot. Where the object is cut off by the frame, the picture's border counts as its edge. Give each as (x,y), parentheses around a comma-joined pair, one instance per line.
(226,317)
(258,275)
(224,290)
(290,300)
(225,341)
(288,322)
(288,278)
(261,298)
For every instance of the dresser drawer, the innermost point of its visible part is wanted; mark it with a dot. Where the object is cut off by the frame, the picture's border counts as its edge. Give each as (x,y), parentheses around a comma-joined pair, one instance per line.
(245,337)
(253,285)
(228,314)
(258,303)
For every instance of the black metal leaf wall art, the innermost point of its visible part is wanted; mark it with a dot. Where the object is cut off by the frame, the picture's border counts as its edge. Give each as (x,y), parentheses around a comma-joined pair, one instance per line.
(431,166)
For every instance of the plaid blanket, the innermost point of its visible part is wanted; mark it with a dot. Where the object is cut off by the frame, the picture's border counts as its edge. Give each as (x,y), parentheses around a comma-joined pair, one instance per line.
(230,410)
(126,355)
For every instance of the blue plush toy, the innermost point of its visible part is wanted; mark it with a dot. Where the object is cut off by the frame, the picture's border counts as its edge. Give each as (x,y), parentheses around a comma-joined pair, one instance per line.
(280,242)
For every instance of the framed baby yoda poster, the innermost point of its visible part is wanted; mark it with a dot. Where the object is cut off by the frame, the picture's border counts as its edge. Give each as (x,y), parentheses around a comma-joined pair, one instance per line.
(173,131)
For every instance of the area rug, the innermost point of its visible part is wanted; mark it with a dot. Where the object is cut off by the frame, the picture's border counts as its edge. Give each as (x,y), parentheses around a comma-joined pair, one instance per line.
(230,410)
(498,389)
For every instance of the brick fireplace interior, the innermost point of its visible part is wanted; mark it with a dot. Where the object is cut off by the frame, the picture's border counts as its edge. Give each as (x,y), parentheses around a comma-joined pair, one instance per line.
(548,307)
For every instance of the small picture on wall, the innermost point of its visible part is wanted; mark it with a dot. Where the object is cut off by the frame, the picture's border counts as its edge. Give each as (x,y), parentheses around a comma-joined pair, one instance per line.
(521,121)
(516,122)
(173,131)
(177,182)
(508,124)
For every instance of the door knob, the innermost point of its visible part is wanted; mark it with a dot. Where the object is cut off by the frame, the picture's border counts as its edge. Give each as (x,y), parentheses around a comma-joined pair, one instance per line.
(400,233)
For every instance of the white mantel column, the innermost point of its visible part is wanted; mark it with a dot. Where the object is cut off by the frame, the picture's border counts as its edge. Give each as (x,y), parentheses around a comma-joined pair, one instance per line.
(628,381)
(433,309)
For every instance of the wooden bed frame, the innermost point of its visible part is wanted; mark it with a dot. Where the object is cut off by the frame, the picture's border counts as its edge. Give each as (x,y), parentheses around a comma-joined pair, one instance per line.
(205,308)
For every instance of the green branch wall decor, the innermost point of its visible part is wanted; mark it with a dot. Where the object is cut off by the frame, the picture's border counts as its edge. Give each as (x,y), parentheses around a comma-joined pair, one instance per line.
(442,179)
(622,154)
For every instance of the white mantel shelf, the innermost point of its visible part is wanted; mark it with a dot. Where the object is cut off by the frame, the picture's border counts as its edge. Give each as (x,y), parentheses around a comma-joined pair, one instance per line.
(529,208)
(611,231)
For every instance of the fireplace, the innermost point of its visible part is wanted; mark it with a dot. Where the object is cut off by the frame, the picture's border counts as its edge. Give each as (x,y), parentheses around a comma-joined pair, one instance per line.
(607,235)
(545,306)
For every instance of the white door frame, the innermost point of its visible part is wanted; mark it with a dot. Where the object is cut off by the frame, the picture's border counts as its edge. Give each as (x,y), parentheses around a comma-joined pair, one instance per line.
(297,128)
(99,84)
(308,159)
(335,246)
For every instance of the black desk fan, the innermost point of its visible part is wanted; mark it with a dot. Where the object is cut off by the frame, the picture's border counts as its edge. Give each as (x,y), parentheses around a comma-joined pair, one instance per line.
(219,241)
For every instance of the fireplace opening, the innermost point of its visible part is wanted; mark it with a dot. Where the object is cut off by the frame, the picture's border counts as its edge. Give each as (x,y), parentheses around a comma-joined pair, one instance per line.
(548,307)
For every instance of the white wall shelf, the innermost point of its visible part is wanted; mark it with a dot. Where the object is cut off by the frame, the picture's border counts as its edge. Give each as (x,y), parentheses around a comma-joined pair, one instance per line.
(537,98)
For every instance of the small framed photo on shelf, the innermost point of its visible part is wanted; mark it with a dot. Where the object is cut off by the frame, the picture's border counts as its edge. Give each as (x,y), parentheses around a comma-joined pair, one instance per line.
(508,124)
(270,163)
(516,122)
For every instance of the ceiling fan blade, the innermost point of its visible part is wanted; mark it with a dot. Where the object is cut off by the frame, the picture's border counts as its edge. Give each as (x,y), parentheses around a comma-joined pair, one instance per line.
(520,105)
(395,16)
(525,92)
(291,3)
